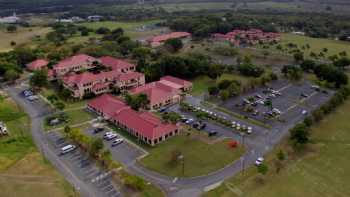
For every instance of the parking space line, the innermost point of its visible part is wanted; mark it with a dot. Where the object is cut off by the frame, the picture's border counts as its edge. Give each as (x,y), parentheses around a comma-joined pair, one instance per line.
(299,103)
(285,87)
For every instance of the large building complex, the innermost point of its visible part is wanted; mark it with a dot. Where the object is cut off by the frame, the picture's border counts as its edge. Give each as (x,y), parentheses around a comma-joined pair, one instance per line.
(143,125)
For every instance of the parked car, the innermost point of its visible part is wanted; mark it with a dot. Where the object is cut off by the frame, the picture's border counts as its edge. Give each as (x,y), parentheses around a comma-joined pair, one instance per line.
(111,137)
(212,133)
(67,149)
(259,161)
(189,121)
(250,130)
(98,130)
(304,95)
(27,93)
(304,112)
(258,96)
(276,111)
(32,98)
(117,142)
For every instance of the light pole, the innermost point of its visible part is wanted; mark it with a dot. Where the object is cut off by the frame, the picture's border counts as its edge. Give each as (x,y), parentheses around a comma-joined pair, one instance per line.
(242,161)
(182,159)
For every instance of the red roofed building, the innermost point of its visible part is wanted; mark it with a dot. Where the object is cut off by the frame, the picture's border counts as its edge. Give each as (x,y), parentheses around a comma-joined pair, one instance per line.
(143,125)
(37,64)
(158,40)
(158,94)
(74,64)
(174,82)
(251,36)
(89,83)
(117,64)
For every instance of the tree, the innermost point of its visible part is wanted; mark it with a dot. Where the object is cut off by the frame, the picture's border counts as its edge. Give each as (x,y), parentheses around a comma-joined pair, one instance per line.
(234,89)
(11,28)
(96,146)
(280,155)
(342,62)
(298,57)
(224,95)
(59,105)
(262,169)
(292,72)
(300,134)
(213,90)
(215,71)
(102,30)
(308,65)
(11,75)
(39,79)
(268,103)
(171,117)
(175,44)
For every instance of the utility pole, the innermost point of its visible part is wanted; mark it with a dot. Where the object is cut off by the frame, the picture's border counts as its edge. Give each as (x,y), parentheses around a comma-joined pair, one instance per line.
(182,158)
(242,161)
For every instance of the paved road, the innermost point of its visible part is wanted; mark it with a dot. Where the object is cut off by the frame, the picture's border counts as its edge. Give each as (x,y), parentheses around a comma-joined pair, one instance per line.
(37,112)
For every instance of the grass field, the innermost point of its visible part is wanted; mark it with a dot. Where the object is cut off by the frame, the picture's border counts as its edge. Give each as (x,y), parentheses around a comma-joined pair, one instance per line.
(22,169)
(323,170)
(201,83)
(22,36)
(131,28)
(200,157)
(33,175)
(316,44)
(75,117)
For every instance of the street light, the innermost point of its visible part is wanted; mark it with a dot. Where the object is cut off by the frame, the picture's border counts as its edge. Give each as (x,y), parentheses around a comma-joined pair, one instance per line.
(242,159)
(182,159)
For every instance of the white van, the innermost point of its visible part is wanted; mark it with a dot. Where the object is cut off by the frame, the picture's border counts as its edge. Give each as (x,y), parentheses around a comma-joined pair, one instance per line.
(67,149)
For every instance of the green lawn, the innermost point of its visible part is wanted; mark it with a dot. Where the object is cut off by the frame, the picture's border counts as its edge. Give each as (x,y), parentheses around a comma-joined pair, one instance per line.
(200,157)
(75,117)
(22,169)
(130,28)
(316,44)
(322,171)
(201,83)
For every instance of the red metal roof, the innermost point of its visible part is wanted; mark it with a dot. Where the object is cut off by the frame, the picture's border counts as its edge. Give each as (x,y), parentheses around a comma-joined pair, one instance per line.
(156,92)
(37,64)
(175,82)
(87,77)
(144,123)
(75,60)
(115,63)
(164,37)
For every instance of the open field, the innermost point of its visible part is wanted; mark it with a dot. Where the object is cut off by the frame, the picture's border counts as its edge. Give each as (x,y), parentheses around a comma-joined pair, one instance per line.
(200,158)
(131,29)
(22,36)
(201,83)
(317,44)
(33,175)
(19,142)
(22,169)
(321,171)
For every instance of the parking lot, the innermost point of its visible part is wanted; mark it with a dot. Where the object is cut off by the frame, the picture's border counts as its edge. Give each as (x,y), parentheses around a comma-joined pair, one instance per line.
(124,152)
(212,126)
(288,102)
(87,169)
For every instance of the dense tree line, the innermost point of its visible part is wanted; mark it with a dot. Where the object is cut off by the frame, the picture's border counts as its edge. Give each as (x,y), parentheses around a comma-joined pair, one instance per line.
(314,25)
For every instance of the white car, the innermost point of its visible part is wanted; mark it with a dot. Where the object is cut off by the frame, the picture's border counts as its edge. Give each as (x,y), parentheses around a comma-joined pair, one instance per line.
(259,161)
(304,112)
(189,121)
(250,130)
(32,98)
(117,142)
(261,102)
